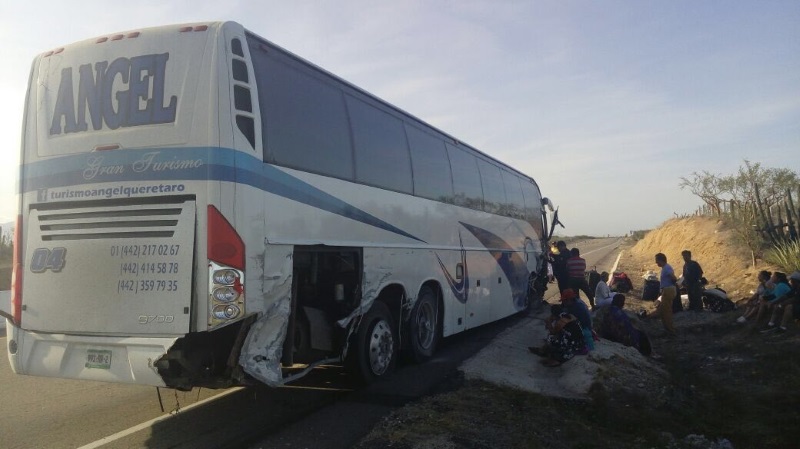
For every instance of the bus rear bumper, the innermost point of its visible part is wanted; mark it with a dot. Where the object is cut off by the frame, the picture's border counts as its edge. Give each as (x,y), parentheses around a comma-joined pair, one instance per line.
(99,358)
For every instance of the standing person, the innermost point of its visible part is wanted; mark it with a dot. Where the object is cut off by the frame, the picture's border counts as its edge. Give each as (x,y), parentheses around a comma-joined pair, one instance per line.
(576,269)
(669,291)
(692,272)
(558,260)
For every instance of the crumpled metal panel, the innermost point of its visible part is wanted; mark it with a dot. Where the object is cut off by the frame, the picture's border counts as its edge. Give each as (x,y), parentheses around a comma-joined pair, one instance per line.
(263,348)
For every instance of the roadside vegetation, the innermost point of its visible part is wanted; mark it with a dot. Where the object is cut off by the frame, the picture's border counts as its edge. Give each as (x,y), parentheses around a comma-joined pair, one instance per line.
(759,204)
(785,255)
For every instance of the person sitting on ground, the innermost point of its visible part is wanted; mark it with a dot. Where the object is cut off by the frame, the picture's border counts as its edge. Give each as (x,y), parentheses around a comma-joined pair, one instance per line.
(751,307)
(780,286)
(564,338)
(785,305)
(615,325)
(576,307)
(602,293)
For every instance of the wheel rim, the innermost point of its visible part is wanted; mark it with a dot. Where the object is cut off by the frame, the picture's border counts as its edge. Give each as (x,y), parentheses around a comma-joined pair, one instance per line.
(425,324)
(381,347)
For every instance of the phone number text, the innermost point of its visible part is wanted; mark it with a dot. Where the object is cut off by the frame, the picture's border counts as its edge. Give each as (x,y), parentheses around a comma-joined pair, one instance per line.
(137,251)
(147,268)
(137,286)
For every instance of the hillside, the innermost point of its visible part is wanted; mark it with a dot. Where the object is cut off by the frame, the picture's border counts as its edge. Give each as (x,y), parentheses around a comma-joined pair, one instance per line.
(725,265)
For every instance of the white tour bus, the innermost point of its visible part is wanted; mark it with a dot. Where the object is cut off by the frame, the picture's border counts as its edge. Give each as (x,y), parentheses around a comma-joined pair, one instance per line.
(199,207)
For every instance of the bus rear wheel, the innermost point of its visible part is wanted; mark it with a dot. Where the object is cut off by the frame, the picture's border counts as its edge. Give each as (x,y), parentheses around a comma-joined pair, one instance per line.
(424,326)
(375,352)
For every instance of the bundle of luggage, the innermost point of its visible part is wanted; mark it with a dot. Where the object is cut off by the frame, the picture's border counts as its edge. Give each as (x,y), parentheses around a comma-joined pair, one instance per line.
(592,278)
(620,282)
(716,300)
(652,287)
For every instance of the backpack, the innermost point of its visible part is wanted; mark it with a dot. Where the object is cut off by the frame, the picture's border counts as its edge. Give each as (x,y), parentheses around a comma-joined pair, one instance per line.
(621,283)
(592,278)
(651,290)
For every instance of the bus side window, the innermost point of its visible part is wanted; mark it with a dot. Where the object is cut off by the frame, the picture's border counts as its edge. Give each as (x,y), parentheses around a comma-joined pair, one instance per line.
(432,177)
(303,117)
(466,178)
(516,202)
(381,148)
(494,195)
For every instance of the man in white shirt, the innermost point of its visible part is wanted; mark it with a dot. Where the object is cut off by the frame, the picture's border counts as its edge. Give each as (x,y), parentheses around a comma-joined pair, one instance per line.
(602,293)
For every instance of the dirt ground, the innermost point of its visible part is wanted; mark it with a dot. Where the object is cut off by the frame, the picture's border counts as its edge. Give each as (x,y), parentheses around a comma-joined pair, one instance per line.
(718,385)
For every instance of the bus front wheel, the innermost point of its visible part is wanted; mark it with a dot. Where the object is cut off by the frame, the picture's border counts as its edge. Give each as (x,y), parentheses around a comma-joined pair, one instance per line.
(376,345)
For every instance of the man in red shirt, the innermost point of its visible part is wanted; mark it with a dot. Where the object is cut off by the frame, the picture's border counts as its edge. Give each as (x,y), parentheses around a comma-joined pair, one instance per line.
(576,270)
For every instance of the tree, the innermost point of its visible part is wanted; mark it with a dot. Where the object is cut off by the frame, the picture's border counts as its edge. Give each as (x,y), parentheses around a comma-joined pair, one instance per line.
(751,188)
(706,186)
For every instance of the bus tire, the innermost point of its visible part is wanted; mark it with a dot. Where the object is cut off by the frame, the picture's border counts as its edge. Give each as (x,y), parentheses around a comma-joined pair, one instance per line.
(375,352)
(423,327)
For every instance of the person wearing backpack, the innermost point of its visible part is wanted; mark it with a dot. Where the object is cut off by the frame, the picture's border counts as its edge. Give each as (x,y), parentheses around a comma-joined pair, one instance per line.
(692,272)
(564,340)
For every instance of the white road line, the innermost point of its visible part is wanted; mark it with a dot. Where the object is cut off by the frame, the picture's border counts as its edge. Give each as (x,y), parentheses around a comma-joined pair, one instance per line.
(614,268)
(146,424)
(599,249)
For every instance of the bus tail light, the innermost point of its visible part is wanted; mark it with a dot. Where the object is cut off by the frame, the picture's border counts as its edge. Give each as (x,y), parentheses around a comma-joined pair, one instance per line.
(224,244)
(226,262)
(16,276)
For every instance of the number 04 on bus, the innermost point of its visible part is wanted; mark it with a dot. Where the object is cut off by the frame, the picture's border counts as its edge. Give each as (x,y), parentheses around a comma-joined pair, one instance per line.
(199,207)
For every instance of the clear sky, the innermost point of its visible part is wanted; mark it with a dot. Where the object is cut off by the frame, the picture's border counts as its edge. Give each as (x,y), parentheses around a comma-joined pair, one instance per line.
(605,103)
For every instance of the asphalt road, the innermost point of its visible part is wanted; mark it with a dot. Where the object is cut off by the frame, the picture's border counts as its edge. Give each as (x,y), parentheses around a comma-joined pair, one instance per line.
(323,410)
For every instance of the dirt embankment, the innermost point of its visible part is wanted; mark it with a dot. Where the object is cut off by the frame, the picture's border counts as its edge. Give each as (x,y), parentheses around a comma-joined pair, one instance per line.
(725,265)
(718,384)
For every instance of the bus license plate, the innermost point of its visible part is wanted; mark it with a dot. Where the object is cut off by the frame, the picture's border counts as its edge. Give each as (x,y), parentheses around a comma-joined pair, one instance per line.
(98,358)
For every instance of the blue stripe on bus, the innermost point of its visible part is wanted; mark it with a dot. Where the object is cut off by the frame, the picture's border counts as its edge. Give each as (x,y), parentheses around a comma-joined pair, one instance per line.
(187,164)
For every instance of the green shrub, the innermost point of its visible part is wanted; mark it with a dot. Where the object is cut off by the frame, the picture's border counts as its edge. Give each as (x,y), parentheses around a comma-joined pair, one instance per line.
(785,255)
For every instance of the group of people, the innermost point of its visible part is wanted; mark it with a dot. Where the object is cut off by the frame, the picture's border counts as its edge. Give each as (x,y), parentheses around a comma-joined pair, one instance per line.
(777,296)
(670,300)
(571,328)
